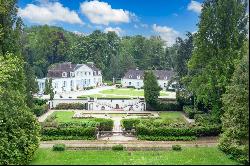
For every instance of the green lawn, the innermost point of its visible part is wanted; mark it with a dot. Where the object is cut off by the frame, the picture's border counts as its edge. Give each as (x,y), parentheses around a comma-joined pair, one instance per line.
(122,93)
(205,155)
(171,115)
(65,116)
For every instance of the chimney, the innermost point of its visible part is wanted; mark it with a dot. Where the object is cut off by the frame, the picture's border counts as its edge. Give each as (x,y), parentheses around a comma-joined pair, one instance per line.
(137,68)
(70,65)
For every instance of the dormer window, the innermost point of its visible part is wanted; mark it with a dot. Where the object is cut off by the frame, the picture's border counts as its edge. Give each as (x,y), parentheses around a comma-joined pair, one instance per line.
(166,78)
(138,77)
(71,74)
(130,76)
(64,74)
(99,72)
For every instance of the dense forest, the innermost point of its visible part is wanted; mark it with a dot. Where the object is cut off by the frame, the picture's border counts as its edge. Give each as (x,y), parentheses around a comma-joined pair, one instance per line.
(114,55)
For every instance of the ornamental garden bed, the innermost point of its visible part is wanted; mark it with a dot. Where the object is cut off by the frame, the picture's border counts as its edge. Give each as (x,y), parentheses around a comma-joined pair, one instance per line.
(61,126)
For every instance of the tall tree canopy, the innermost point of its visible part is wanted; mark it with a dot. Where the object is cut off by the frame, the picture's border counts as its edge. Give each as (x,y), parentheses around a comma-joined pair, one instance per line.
(19,129)
(218,43)
(235,120)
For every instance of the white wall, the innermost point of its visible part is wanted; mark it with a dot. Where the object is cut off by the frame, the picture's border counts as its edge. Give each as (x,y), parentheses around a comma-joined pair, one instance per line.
(137,83)
(83,77)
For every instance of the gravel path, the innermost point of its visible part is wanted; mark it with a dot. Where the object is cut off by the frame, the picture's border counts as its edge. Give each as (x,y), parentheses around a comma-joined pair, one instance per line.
(205,141)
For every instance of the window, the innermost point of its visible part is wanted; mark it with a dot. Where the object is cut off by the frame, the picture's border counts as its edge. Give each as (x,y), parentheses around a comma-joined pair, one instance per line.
(99,73)
(130,76)
(64,74)
(129,83)
(165,84)
(71,83)
(85,73)
(64,83)
(72,74)
(138,77)
(94,80)
(89,73)
(138,84)
(94,73)
(166,78)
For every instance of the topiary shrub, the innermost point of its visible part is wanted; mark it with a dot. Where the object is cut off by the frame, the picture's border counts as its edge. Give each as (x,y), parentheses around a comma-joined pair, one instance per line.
(78,106)
(176,147)
(118,147)
(59,147)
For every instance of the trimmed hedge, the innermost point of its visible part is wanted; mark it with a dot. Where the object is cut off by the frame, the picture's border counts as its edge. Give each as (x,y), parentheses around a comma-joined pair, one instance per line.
(50,138)
(129,124)
(59,147)
(89,132)
(168,107)
(39,110)
(104,124)
(118,147)
(187,131)
(79,106)
(176,147)
(168,138)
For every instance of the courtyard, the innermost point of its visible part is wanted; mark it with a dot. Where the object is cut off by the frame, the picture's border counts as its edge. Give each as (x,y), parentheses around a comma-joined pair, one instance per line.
(108,92)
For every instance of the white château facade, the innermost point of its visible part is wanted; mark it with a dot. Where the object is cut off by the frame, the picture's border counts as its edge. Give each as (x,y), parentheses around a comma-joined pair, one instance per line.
(71,77)
(135,78)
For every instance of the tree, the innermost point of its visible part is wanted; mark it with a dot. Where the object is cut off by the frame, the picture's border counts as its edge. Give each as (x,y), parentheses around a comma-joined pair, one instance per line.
(47,87)
(19,129)
(217,45)
(151,89)
(235,120)
(50,87)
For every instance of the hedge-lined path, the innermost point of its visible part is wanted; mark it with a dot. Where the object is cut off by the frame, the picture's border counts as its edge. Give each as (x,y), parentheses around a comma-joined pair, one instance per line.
(130,144)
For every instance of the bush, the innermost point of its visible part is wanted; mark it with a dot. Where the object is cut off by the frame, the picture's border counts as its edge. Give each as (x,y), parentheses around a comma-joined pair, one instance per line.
(176,147)
(191,112)
(118,147)
(39,110)
(104,124)
(39,101)
(130,87)
(59,147)
(88,88)
(167,107)
(129,124)
(76,131)
(118,86)
(79,106)
(167,138)
(50,138)
(196,131)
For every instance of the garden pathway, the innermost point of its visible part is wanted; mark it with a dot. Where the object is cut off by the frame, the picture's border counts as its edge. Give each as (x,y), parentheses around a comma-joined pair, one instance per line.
(131,144)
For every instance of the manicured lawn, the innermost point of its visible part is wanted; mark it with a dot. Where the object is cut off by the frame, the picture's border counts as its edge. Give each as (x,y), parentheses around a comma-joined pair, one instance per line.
(202,155)
(65,116)
(171,115)
(122,93)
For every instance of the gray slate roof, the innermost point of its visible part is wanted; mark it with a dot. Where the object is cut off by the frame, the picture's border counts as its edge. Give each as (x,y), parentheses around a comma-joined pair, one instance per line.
(57,69)
(160,74)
